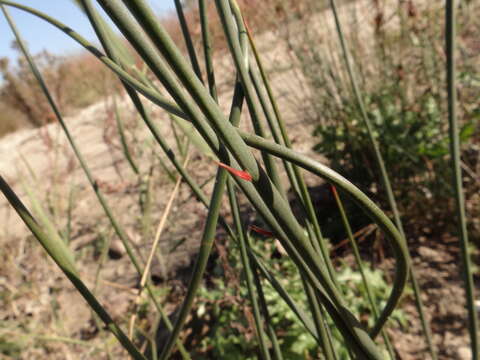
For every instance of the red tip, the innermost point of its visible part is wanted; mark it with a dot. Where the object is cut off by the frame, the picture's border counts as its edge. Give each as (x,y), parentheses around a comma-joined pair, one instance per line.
(240,173)
(334,190)
(261,231)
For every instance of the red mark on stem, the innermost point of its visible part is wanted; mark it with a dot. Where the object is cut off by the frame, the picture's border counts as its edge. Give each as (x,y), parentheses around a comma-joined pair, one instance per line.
(334,190)
(261,231)
(240,173)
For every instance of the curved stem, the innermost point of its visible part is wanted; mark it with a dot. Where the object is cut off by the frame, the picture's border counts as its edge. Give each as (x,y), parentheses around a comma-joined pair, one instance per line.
(397,240)
(280,136)
(261,191)
(383,173)
(248,269)
(358,260)
(188,39)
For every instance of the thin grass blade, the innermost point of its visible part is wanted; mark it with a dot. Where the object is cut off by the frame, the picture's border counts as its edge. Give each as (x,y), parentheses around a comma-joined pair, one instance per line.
(450,35)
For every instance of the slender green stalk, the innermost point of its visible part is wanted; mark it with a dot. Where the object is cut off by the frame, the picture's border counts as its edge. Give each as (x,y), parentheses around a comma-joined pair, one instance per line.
(450,35)
(67,232)
(384,177)
(361,105)
(154,249)
(397,240)
(207,49)
(247,268)
(359,262)
(276,213)
(296,309)
(163,165)
(330,338)
(277,352)
(201,261)
(188,39)
(234,205)
(229,134)
(123,139)
(125,57)
(178,140)
(238,43)
(64,263)
(66,340)
(145,188)
(295,176)
(118,229)
(209,233)
(320,324)
(46,222)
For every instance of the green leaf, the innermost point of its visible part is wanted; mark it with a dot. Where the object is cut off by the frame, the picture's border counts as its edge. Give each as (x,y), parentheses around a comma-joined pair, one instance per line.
(467,131)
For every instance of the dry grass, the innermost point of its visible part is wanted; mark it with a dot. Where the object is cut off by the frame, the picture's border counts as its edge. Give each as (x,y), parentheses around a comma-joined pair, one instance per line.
(75,82)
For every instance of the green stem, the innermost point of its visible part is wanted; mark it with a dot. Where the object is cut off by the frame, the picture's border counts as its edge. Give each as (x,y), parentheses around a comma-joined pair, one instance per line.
(208,234)
(188,39)
(384,176)
(207,49)
(397,240)
(247,268)
(280,136)
(296,309)
(276,212)
(300,186)
(318,319)
(238,42)
(359,262)
(201,261)
(277,352)
(123,139)
(450,34)
(66,266)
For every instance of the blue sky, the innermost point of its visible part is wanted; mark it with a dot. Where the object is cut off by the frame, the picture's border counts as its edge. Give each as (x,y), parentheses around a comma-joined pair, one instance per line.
(41,35)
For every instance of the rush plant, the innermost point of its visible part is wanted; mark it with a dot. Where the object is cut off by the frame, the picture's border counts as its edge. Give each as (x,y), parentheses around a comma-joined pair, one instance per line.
(192,97)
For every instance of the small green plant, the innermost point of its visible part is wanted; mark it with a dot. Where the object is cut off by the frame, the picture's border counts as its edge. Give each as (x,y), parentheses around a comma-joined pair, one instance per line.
(10,349)
(413,144)
(404,98)
(224,310)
